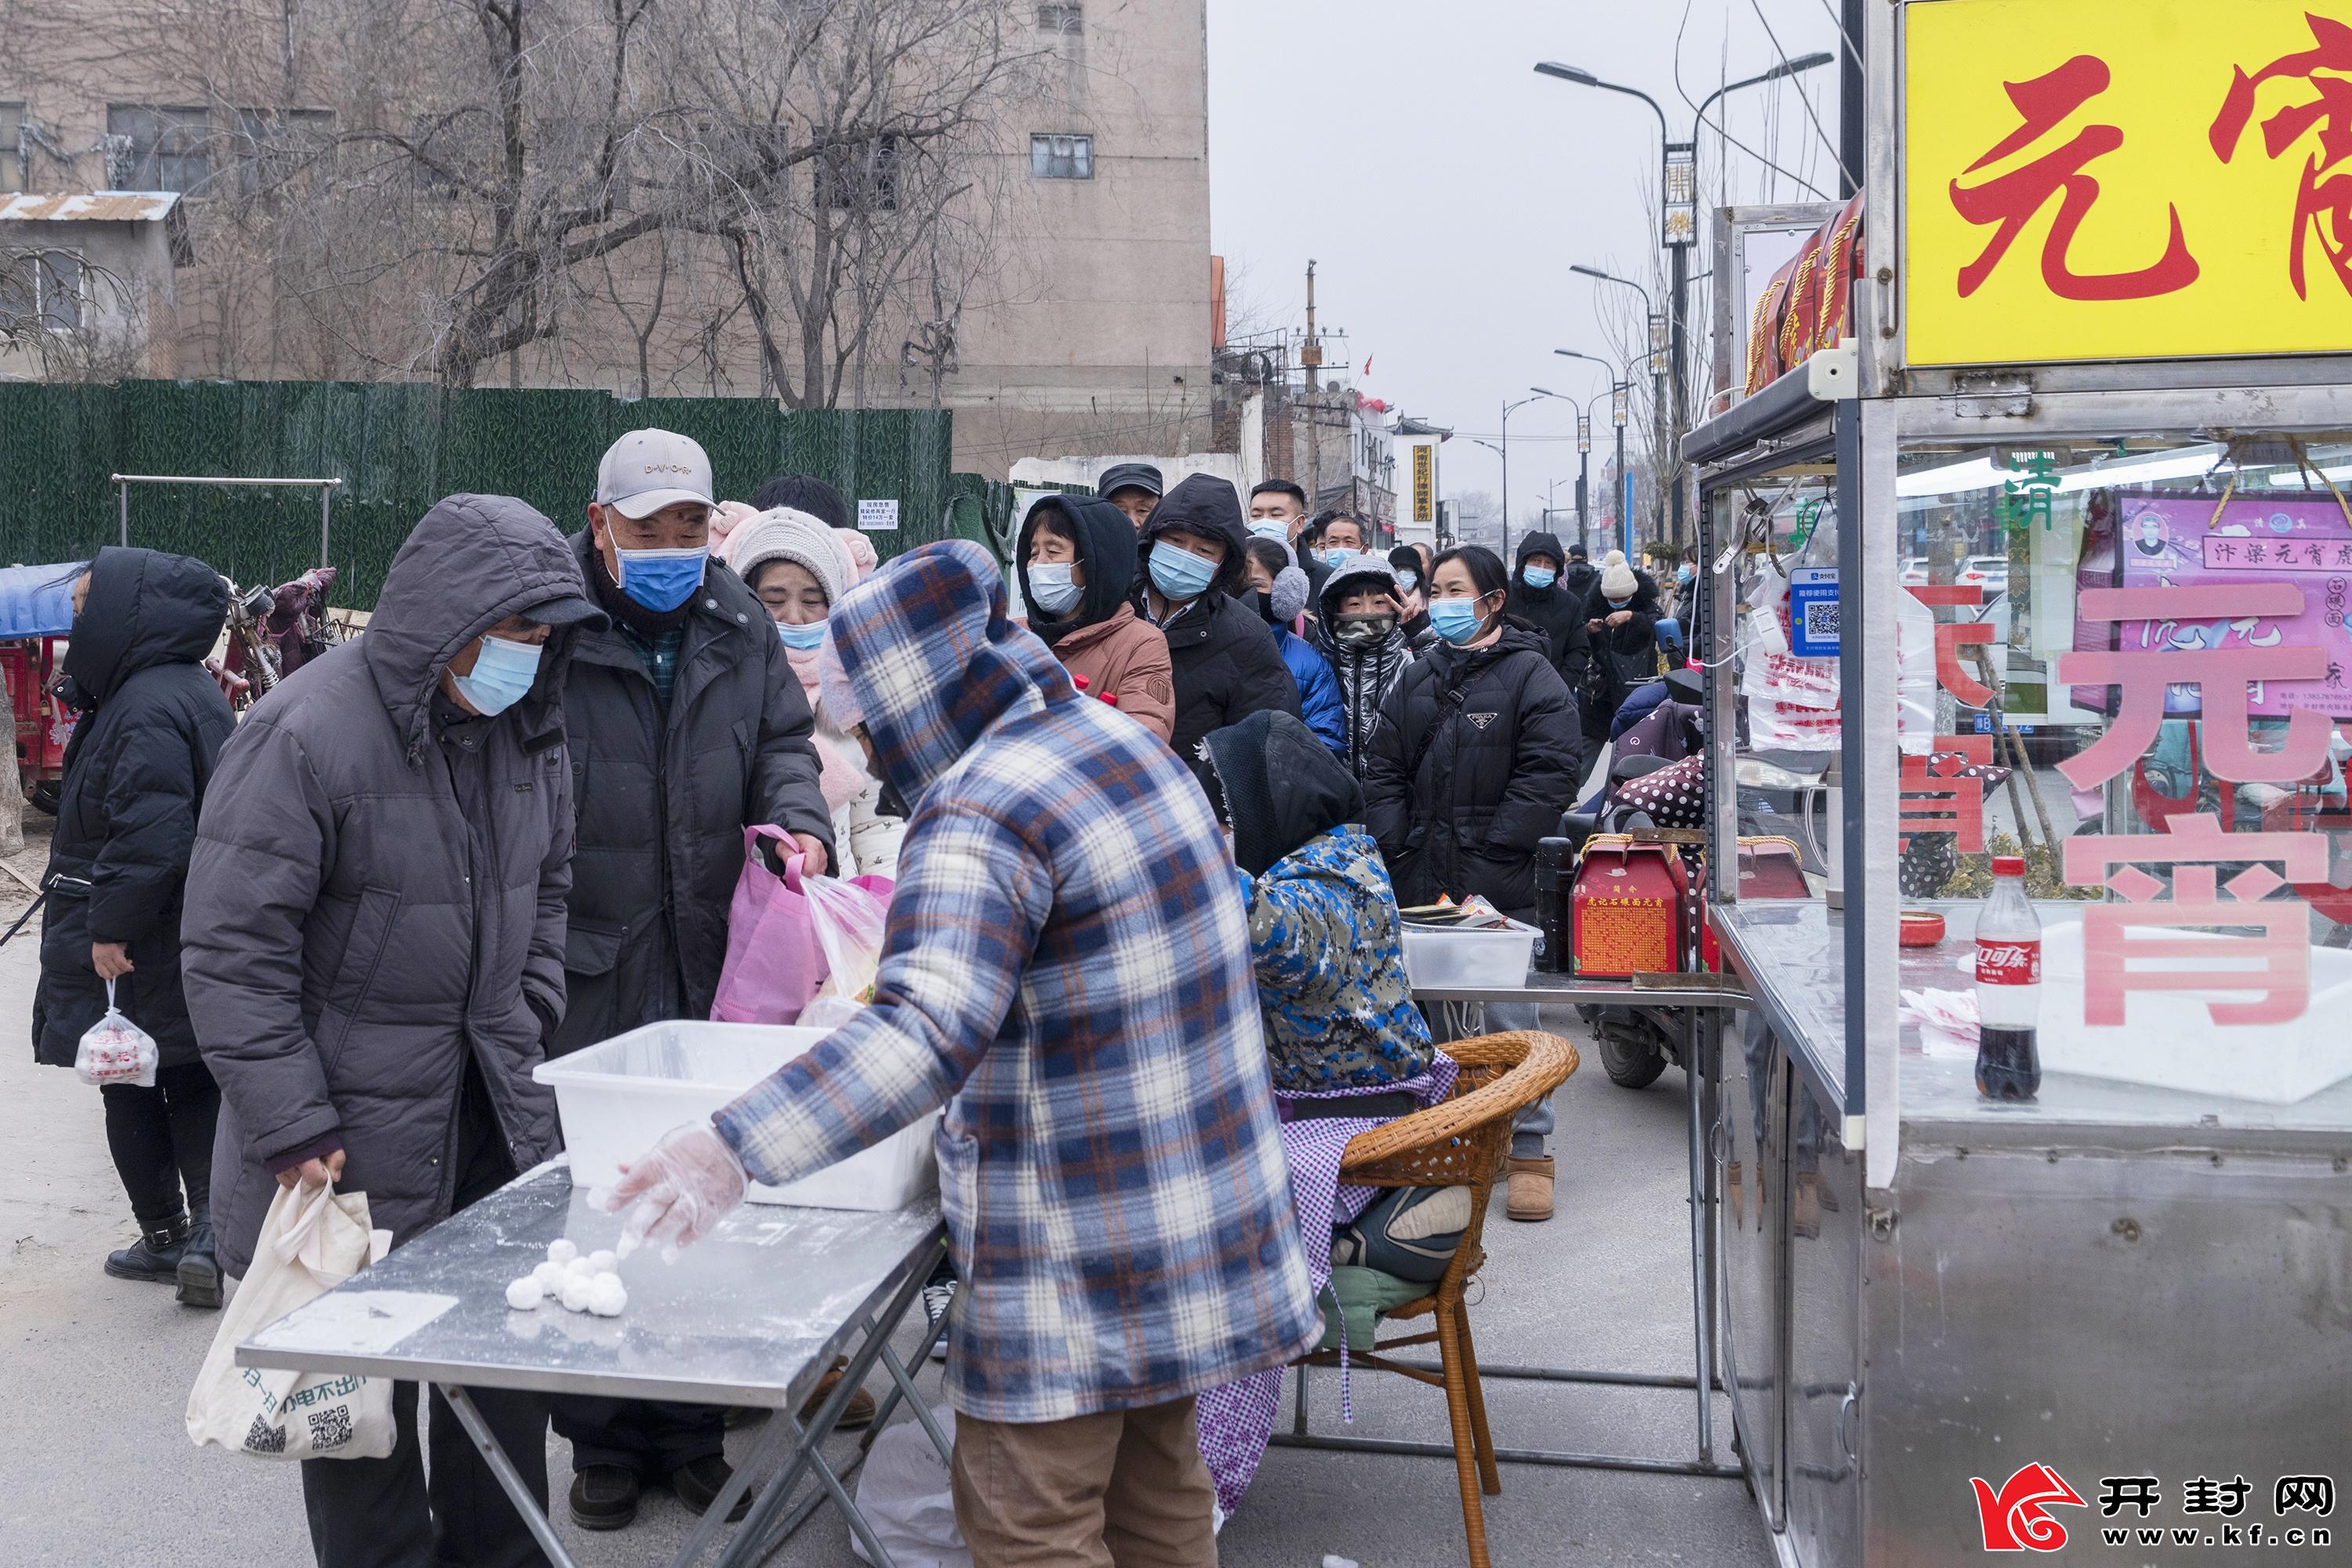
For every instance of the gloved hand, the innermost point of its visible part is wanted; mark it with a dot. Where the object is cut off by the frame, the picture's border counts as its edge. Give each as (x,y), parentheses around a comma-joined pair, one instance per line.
(679,1190)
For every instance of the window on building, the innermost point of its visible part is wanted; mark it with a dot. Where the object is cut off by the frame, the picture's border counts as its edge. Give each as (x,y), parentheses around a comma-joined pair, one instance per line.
(860,176)
(275,145)
(162,149)
(42,288)
(11,147)
(1069,18)
(1062,157)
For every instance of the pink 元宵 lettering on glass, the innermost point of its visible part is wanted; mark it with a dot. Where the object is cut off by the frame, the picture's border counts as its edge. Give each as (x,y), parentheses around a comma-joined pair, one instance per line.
(2220,639)
(2275,965)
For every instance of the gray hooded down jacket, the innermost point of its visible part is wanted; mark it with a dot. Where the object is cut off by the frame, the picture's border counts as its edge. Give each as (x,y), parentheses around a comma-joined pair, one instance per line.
(369,902)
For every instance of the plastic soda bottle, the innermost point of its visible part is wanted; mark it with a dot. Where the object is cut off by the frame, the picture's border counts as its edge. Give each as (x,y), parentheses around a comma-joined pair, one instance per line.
(2009,987)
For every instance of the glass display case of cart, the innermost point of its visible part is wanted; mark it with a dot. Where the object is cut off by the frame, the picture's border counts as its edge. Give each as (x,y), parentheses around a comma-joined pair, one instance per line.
(2139,658)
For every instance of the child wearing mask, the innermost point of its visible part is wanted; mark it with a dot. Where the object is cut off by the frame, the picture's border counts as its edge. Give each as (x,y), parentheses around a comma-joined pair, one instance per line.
(795,564)
(1076,556)
(1364,637)
(1412,564)
(1279,590)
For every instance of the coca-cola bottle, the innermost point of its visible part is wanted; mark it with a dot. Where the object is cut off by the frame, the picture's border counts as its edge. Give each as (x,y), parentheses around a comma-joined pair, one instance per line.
(2008,986)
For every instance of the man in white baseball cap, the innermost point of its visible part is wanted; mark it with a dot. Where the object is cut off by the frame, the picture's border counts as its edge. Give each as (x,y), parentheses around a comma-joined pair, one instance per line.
(686,725)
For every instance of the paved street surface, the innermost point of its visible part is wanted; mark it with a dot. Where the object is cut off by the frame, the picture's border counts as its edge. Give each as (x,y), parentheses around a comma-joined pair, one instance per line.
(100,1470)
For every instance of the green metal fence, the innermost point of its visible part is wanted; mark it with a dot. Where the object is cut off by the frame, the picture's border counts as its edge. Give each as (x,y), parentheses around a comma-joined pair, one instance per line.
(398,448)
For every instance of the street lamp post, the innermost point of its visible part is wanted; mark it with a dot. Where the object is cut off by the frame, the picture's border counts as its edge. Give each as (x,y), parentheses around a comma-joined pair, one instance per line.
(1620,386)
(1665,431)
(1506,468)
(1679,195)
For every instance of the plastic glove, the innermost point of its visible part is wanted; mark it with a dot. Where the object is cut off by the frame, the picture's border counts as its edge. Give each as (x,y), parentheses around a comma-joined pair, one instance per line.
(679,1190)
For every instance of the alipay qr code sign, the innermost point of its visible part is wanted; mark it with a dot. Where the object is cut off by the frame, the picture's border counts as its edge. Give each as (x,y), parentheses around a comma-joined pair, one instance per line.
(1813,612)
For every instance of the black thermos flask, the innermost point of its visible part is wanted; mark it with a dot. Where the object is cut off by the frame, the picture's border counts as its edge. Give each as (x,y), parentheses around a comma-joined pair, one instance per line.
(1555,878)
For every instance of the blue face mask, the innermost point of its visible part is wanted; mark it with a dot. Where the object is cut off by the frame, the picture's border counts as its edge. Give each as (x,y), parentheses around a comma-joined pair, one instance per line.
(1539,576)
(1339,557)
(503,673)
(1051,590)
(1682,576)
(1408,581)
(1179,574)
(1457,620)
(1619,603)
(805,638)
(1272,527)
(662,580)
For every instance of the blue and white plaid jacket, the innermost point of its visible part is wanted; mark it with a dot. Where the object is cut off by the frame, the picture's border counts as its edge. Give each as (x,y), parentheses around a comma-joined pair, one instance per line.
(1067,967)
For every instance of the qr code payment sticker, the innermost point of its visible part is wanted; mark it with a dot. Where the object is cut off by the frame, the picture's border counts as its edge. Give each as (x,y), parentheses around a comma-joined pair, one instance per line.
(1821,621)
(330,1427)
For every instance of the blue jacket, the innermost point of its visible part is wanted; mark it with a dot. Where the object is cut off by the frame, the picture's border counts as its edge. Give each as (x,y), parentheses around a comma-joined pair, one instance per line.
(1320,702)
(1067,967)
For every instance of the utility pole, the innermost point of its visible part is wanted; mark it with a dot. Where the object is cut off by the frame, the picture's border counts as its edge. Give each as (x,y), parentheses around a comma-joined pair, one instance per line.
(1310,356)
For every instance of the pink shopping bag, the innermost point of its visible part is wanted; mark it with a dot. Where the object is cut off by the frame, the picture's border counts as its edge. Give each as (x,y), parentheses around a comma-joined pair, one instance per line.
(774,962)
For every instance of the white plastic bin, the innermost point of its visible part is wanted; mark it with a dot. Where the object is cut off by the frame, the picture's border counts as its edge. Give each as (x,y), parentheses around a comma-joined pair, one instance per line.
(617,1098)
(1442,956)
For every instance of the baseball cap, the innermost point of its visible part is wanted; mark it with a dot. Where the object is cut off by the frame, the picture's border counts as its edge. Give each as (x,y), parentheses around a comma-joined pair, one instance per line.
(646,470)
(1130,476)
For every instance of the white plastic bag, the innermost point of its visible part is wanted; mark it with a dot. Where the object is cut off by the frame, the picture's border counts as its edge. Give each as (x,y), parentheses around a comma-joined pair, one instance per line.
(311,1238)
(115,1050)
(906,1494)
(849,921)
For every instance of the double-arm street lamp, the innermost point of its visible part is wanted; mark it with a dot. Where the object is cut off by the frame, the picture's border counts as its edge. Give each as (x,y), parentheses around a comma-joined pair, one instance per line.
(1583,458)
(1678,188)
(1621,391)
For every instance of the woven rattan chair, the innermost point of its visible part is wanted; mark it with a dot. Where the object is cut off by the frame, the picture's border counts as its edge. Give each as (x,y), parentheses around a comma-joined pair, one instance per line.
(1460,1141)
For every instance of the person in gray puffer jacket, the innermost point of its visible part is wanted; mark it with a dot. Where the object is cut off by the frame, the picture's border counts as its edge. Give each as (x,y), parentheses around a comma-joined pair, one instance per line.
(373,951)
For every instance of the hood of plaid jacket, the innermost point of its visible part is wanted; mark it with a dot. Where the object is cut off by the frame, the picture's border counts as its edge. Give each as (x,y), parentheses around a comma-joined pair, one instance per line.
(935,662)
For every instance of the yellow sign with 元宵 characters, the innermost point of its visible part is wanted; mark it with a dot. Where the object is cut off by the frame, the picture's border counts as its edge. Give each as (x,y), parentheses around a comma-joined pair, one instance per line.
(2126,179)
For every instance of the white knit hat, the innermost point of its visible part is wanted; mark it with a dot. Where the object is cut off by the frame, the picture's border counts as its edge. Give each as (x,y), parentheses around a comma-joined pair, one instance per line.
(1617,579)
(783,535)
(1615,558)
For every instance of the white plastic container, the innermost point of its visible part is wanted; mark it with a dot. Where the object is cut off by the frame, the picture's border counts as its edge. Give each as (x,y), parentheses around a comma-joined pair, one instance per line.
(617,1098)
(1440,957)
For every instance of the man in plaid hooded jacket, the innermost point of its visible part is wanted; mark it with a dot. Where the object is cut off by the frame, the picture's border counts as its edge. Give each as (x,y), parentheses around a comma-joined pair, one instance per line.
(1067,967)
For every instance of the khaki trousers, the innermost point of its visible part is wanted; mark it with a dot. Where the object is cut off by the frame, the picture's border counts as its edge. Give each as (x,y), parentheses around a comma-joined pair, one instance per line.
(1125,1489)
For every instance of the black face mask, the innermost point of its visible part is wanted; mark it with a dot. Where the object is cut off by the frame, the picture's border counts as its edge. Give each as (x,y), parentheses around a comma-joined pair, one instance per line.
(1265,607)
(891,803)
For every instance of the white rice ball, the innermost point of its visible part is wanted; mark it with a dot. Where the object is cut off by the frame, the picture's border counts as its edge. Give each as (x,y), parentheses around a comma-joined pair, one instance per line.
(602,1260)
(608,1295)
(551,1278)
(575,1293)
(524,1294)
(563,1250)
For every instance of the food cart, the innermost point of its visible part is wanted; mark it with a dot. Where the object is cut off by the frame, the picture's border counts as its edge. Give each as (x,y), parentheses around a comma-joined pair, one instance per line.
(2037,528)
(36,614)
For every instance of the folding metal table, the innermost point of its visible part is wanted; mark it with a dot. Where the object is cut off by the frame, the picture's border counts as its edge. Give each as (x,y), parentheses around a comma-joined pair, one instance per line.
(754,1314)
(1700,999)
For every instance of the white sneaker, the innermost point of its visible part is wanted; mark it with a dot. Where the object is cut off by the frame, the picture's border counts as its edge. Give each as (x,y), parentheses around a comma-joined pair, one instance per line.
(936,1297)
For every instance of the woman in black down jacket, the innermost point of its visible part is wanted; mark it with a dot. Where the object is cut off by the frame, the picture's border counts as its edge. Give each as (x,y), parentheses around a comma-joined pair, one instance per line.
(1477,753)
(152,720)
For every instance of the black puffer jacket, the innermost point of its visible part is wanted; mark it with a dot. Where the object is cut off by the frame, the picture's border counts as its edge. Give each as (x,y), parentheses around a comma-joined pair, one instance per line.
(1226,666)
(1366,676)
(376,894)
(1623,658)
(152,723)
(664,797)
(1557,610)
(1477,754)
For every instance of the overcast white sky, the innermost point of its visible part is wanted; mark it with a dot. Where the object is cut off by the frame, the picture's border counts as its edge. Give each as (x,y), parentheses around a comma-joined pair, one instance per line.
(1442,189)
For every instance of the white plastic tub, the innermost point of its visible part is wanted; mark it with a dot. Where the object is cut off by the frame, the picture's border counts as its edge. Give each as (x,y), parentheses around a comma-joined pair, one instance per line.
(617,1098)
(1437,957)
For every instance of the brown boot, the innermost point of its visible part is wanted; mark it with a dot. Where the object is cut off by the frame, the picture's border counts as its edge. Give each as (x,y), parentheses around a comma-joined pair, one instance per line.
(858,1413)
(1530,1192)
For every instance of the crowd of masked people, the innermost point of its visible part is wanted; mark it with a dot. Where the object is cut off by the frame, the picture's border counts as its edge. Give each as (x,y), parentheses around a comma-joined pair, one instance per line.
(506,822)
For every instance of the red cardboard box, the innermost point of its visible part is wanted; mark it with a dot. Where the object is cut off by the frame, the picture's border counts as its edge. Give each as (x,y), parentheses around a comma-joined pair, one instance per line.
(1627,909)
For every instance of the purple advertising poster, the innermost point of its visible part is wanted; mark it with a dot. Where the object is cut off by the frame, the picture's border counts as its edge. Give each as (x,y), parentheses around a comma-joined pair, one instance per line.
(2165,541)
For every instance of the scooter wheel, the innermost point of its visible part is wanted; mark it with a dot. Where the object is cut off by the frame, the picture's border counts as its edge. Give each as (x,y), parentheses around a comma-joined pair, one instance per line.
(1630,1060)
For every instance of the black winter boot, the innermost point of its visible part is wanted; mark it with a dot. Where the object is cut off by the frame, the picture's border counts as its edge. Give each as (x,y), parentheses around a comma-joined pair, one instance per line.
(155,1258)
(200,1275)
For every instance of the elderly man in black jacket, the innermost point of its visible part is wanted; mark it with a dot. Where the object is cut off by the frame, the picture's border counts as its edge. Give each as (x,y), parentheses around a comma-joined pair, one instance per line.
(1226,666)
(686,725)
(152,723)
(373,950)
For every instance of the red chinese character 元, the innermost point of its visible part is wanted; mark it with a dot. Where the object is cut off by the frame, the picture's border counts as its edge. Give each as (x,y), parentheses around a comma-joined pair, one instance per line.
(2012,200)
(2323,206)
(2221,676)
(2276,964)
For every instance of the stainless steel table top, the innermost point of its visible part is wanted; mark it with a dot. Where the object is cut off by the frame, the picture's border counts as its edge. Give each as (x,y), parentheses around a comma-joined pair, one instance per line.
(752,1314)
(1563,990)
(1793,955)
